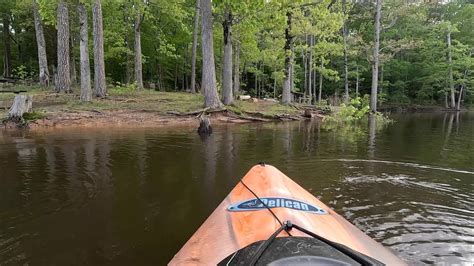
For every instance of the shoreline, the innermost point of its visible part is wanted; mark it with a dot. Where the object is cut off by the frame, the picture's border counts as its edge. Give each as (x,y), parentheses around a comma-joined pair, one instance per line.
(127,118)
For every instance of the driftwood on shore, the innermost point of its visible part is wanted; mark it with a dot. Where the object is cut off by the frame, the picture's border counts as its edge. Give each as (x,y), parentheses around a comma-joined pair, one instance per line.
(21,104)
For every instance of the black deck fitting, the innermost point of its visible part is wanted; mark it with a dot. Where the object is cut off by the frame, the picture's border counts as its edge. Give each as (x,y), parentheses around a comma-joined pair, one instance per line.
(261,163)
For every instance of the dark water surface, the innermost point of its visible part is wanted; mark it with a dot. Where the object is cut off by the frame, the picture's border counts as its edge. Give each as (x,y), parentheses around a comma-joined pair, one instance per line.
(135,196)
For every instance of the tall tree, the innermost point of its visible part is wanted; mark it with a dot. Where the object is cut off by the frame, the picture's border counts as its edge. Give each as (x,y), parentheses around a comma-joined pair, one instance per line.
(7,55)
(211,98)
(286,95)
(375,63)
(346,71)
(227,92)
(194,49)
(86,92)
(100,88)
(138,48)
(41,44)
(63,79)
(450,68)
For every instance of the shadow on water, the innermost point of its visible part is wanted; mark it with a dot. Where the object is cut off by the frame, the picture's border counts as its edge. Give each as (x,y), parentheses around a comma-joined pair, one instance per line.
(136,196)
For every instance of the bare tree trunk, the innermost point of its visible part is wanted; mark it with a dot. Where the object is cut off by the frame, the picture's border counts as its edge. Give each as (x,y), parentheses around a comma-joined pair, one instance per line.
(21,104)
(7,65)
(310,68)
(64,76)
(446,104)
(128,67)
(286,94)
(41,44)
(320,82)
(228,97)
(357,80)
(381,80)
(305,66)
(450,73)
(138,52)
(73,59)
(346,71)
(195,42)
(86,92)
(211,98)
(100,88)
(237,69)
(375,65)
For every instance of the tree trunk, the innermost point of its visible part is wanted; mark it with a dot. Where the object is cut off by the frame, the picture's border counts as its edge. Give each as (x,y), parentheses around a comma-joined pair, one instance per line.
(195,42)
(450,73)
(72,59)
(211,98)
(86,92)
(305,66)
(446,104)
(7,67)
(21,104)
(128,67)
(375,65)
(357,80)
(237,70)
(41,44)
(381,80)
(310,68)
(458,106)
(64,76)
(320,82)
(138,52)
(100,88)
(346,71)
(286,94)
(227,94)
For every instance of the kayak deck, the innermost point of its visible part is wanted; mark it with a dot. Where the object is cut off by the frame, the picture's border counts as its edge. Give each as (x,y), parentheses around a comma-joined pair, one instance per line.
(227,230)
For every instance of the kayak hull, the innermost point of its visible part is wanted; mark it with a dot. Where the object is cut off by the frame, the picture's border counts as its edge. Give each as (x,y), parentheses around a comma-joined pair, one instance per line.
(226,231)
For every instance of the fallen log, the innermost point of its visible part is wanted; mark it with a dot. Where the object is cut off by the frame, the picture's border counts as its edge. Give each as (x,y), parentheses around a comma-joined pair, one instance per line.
(21,104)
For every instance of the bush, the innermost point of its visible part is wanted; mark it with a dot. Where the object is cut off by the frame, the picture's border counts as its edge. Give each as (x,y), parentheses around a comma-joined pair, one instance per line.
(121,88)
(356,110)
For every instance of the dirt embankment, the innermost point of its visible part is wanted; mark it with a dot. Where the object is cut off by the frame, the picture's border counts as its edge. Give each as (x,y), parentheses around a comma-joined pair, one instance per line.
(150,109)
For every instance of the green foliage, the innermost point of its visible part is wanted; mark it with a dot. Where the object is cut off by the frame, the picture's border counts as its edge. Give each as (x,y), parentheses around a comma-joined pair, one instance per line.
(28,117)
(121,88)
(20,72)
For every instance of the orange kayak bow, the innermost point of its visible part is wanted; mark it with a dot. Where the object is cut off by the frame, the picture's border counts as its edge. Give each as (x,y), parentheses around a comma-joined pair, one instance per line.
(266,202)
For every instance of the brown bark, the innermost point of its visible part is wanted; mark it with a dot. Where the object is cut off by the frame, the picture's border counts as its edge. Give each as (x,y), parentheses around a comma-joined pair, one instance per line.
(100,89)
(63,82)
(375,64)
(211,98)
(194,49)
(41,44)
(86,92)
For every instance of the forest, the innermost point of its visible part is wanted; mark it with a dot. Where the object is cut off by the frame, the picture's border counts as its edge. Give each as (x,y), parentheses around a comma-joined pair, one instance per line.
(317,52)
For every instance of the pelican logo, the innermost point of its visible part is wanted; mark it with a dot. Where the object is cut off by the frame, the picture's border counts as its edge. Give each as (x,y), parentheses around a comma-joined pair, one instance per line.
(255,205)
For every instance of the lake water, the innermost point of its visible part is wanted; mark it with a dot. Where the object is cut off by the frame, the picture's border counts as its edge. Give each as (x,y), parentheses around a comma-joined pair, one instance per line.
(131,197)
